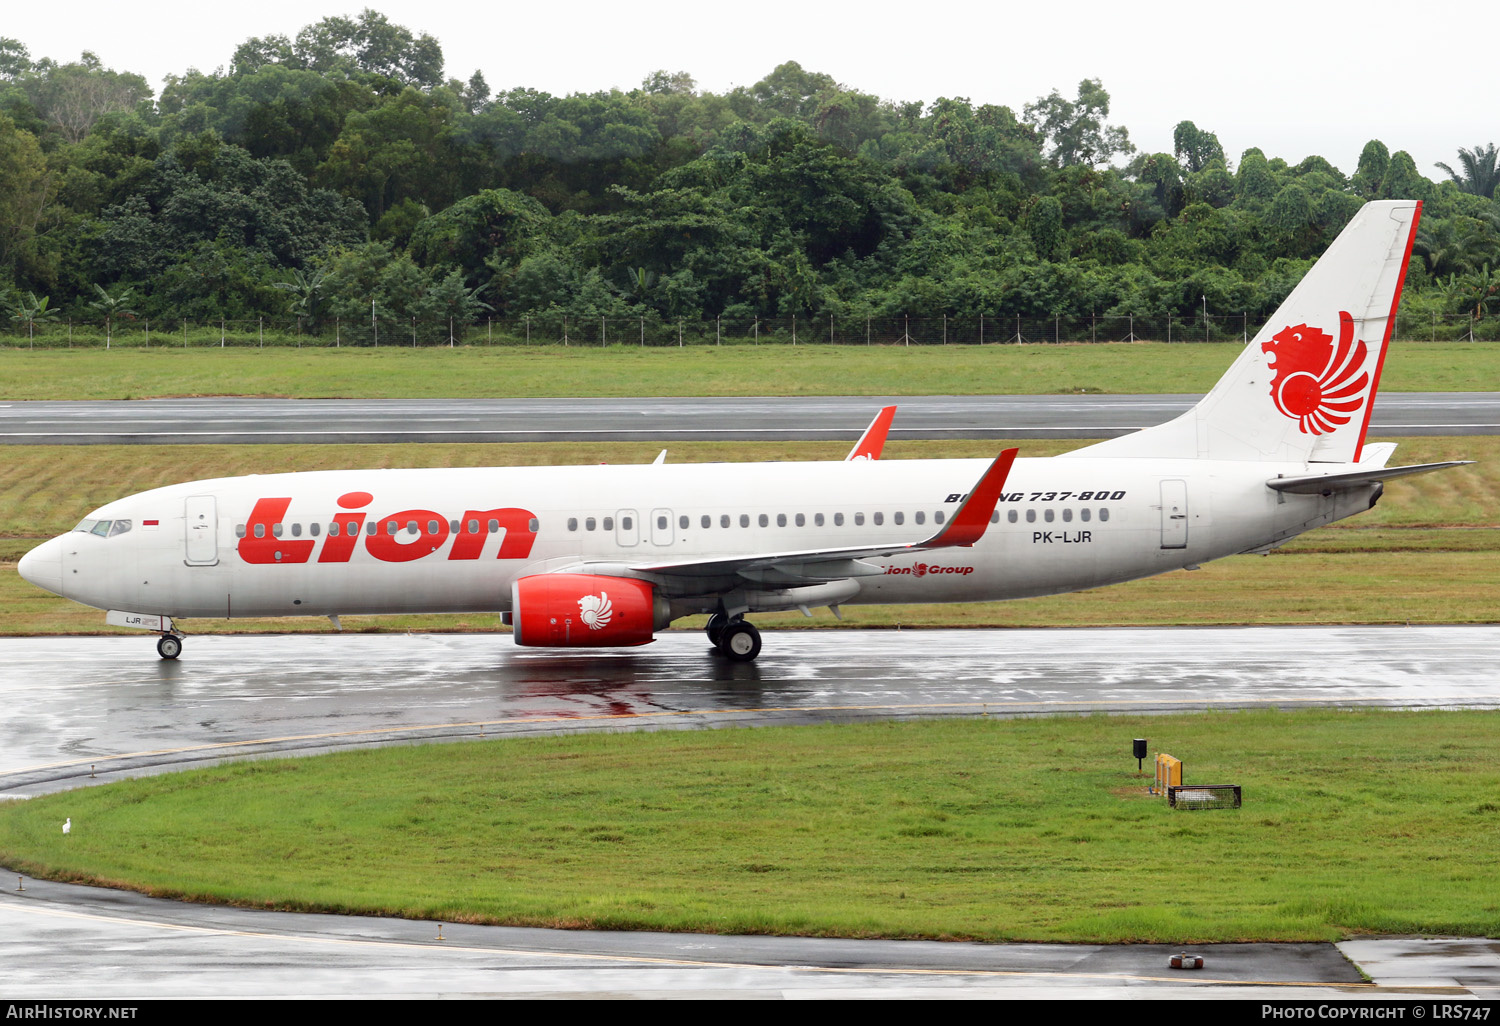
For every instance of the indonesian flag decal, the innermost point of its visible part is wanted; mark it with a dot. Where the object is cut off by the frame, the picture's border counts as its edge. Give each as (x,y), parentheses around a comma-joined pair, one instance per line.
(596,610)
(1318,383)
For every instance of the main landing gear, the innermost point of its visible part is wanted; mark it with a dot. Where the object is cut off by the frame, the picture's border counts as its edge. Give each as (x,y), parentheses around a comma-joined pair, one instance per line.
(738,640)
(169,646)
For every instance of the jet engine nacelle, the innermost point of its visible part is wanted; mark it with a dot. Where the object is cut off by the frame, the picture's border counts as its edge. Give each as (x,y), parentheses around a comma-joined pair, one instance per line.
(585,610)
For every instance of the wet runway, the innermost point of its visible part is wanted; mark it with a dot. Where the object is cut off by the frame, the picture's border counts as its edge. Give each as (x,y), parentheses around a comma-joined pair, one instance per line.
(231,420)
(70,707)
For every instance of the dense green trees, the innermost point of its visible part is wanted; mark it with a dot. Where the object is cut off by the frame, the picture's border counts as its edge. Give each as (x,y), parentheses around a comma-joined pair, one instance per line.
(340,174)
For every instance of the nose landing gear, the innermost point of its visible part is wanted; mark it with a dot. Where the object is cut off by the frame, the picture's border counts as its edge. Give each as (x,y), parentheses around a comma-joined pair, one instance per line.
(169,646)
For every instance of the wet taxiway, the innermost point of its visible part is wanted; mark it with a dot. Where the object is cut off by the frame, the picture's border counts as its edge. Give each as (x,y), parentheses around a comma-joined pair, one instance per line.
(75,711)
(106,706)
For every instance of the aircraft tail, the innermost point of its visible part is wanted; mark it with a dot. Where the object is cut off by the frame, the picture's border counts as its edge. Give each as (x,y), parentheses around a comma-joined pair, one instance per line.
(1303,389)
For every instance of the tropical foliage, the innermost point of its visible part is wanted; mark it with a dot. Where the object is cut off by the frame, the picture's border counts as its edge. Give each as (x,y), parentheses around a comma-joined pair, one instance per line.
(340,174)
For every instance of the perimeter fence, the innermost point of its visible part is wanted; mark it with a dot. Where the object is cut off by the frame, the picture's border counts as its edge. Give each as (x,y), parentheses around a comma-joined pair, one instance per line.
(568,330)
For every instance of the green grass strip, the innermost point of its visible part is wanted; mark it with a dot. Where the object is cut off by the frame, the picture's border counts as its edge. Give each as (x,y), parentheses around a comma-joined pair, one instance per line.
(395,373)
(1029,829)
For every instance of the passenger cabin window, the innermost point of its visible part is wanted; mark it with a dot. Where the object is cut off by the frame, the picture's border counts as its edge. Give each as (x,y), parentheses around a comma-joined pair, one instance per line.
(764,520)
(724,520)
(1103,514)
(297,530)
(920,517)
(588,523)
(838,520)
(1083,515)
(572,523)
(706,520)
(1067,516)
(1009,515)
(859,520)
(879,519)
(682,521)
(817,520)
(781,520)
(1047,515)
(609,523)
(898,518)
(938,518)
(744,519)
(801,520)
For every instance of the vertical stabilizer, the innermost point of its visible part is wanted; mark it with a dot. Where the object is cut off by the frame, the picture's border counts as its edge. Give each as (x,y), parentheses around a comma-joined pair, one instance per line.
(1303,388)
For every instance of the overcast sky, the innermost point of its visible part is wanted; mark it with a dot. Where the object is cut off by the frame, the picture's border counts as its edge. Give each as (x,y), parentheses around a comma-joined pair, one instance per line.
(1294,78)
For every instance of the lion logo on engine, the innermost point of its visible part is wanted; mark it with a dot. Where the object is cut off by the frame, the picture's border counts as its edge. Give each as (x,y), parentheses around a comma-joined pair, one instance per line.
(596,610)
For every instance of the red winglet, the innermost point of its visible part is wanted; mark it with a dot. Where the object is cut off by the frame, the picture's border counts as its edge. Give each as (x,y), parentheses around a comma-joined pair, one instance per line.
(973,517)
(873,440)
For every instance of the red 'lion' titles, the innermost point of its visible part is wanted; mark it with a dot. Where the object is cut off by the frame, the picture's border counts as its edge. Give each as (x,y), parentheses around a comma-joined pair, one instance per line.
(399,537)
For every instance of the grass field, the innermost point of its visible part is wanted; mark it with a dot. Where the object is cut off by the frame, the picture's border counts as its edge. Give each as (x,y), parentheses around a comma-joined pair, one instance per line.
(1031,829)
(1144,367)
(1428,553)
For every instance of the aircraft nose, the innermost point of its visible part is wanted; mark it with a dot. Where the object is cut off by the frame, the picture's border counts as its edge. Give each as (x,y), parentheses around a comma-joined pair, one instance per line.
(42,566)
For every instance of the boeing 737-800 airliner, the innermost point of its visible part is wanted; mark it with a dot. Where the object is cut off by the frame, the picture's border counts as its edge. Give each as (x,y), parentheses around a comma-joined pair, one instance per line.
(608,555)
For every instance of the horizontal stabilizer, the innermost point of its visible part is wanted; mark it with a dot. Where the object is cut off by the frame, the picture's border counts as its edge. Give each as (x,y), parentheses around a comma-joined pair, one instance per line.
(1323,484)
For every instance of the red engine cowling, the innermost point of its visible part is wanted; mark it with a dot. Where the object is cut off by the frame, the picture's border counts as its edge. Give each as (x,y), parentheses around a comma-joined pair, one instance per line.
(585,610)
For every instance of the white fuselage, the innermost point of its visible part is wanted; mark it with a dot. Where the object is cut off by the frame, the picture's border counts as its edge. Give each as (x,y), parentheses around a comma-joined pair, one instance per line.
(1061,525)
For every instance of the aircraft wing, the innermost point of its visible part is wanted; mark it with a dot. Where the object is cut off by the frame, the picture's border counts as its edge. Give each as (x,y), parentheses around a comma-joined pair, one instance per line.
(963,529)
(873,440)
(1323,484)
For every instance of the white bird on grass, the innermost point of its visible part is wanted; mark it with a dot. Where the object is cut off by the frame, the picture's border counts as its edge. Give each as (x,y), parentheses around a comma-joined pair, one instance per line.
(68,825)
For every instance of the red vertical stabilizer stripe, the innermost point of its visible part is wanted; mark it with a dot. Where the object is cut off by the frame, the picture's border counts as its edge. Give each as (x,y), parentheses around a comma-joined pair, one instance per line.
(872,441)
(973,517)
(1390,327)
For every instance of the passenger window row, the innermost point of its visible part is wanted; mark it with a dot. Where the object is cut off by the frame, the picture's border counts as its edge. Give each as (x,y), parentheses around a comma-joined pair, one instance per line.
(1050,515)
(412,527)
(727,520)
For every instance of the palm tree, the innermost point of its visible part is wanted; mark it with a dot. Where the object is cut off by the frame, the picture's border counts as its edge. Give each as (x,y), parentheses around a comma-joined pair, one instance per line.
(305,287)
(1457,245)
(32,311)
(1479,290)
(1481,170)
(112,306)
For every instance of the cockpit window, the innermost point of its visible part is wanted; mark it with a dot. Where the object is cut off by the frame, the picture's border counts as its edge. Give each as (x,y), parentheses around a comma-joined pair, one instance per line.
(103,528)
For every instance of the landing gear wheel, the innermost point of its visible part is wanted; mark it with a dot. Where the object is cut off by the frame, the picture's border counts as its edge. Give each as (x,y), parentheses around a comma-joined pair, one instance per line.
(715,628)
(169,646)
(740,642)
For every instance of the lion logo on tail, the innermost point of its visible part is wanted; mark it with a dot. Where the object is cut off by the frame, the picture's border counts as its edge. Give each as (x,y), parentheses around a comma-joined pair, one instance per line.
(1318,383)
